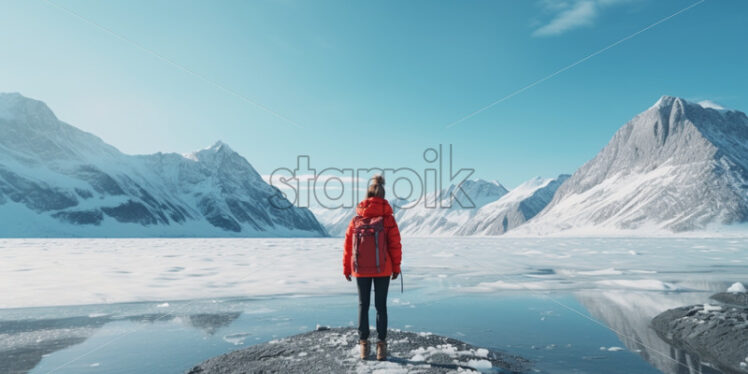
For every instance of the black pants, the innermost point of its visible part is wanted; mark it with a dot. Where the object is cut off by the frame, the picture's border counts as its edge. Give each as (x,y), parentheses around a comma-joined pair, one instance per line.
(381,284)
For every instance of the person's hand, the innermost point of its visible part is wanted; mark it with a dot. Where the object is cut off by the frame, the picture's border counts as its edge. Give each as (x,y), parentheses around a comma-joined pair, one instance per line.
(348,277)
(394,275)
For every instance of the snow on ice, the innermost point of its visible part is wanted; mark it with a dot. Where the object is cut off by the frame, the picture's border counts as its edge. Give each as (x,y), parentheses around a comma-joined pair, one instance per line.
(45,272)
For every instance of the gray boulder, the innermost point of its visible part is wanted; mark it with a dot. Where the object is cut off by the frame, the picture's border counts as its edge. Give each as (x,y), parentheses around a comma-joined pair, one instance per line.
(336,351)
(715,334)
(732,298)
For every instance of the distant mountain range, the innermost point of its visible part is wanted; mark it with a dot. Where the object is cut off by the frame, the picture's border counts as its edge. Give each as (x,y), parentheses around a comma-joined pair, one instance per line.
(513,209)
(476,207)
(59,181)
(678,166)
(444,212)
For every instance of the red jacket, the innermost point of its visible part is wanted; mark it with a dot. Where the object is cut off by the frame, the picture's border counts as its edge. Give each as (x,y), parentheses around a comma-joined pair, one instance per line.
(375,207)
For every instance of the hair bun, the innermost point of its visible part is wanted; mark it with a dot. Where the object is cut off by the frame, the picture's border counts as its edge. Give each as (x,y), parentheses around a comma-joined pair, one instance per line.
(377,179)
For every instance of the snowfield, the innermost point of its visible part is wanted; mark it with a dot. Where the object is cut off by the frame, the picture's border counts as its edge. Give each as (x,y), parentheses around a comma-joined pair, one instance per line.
(46,272)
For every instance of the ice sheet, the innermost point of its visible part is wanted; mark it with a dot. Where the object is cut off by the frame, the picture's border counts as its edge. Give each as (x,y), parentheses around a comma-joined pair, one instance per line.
(44,272)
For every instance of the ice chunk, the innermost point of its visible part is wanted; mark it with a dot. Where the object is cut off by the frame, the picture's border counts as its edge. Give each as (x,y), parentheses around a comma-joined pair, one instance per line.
(712,308)
(736,287)
(608,271)
(479,364)
(639,284)
(236,339)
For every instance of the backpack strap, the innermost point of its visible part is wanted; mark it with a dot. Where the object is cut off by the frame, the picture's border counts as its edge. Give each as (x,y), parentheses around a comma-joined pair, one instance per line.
(376,243)
(356,239)
(355,252)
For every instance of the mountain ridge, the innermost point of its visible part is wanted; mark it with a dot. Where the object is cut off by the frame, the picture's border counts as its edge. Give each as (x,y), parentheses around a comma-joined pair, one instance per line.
(75,184)
(677,166)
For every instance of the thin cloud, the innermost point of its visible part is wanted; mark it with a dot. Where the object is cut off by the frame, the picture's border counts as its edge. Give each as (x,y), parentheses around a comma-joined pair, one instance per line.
(580,14)
(569,15)
(711,104)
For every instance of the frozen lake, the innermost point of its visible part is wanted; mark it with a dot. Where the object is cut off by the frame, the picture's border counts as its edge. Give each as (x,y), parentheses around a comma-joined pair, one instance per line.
(163,305)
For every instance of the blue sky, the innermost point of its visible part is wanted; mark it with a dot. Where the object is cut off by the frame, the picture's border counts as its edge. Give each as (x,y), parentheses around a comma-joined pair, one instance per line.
(372,83)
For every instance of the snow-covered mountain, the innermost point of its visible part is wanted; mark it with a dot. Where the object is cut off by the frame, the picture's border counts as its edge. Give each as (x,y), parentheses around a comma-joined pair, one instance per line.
(493,210)
(444,212)
(678,166)
(336,220)
(56,180)
(513,209)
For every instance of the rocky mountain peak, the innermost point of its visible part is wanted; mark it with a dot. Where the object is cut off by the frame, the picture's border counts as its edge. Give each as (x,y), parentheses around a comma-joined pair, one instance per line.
(220,146)
(676,166)
(18,108)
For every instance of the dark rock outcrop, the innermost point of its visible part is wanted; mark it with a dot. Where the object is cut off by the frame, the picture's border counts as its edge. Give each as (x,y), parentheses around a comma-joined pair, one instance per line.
(732,298)
(716,334)
(335,351)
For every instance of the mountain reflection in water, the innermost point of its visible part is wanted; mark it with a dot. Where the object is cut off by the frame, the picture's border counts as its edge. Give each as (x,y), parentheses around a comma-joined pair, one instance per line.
(629,313)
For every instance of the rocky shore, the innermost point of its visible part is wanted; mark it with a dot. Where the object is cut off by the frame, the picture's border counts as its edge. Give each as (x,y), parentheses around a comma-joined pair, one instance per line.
(716,333)
(335,350)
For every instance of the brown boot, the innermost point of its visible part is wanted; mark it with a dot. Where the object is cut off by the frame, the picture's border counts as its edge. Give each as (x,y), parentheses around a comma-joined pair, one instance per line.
(364,349)
(381,350)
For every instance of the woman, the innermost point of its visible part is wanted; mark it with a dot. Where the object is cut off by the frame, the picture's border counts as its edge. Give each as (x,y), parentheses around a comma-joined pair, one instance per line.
(372,253)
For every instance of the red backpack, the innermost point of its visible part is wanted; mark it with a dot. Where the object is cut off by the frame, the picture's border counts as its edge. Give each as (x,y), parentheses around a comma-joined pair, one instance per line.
(369,245)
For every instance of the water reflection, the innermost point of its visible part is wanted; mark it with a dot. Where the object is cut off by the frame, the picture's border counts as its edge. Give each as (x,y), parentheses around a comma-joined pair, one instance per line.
(210,323)
(206,322)
(629,314)
(23,343)
(32,340)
